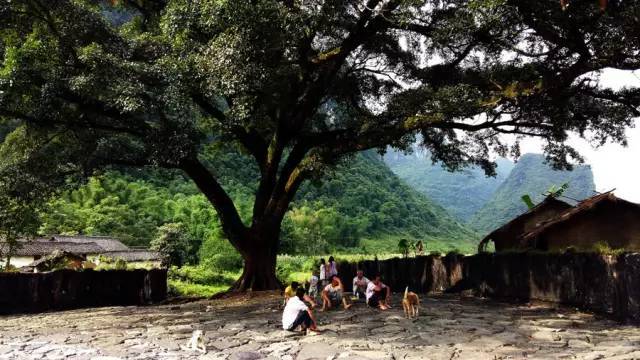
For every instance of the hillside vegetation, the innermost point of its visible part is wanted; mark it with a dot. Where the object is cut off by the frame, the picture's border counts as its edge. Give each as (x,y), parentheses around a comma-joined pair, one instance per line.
(362,207)
(486,203)
(461,193)
(533,177)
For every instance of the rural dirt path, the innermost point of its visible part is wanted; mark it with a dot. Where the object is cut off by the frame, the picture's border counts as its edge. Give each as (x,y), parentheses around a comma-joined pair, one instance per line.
(247,329)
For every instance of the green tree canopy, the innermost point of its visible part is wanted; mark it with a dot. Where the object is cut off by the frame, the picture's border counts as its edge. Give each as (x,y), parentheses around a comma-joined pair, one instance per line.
(298,85)
(17,220)
(173,243)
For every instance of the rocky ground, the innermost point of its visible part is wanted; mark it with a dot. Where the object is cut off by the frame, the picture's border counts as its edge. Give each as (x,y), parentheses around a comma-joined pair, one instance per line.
(249,328)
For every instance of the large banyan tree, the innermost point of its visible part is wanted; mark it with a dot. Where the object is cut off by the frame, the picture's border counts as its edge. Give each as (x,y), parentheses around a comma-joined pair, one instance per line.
(298,85)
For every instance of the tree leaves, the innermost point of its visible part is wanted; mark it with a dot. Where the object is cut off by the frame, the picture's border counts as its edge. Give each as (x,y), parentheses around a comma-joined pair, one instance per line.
(271,79)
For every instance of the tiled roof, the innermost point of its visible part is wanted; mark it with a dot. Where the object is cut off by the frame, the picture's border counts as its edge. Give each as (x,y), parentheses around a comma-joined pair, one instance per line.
(105,242)
(44,248)
(81,245)
(134,255)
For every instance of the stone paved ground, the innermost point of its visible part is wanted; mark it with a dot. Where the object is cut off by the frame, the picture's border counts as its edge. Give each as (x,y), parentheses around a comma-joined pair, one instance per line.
(241,328)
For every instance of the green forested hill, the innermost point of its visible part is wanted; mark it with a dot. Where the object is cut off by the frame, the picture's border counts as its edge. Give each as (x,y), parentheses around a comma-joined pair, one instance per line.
(486,203)
(533,177)
(461,193)
(360,200)
(368,193)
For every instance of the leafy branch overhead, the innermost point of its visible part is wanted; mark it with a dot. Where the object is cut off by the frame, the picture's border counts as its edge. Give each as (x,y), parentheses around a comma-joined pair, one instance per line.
(299,85)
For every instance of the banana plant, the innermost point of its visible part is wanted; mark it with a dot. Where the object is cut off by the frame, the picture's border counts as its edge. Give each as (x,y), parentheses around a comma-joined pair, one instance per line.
(554,191)
(527,200)
(557,191)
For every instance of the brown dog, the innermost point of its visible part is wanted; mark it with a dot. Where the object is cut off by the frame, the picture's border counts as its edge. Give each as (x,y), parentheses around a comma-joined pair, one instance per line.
(410,303)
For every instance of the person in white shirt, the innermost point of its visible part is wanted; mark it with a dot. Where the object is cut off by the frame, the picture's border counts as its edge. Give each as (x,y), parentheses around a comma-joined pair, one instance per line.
(297,313)
(360,285)
(378,294)
(332,295)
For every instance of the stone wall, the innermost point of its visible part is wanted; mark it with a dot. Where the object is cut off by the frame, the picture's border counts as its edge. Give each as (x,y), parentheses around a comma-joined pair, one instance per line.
(67,289)
(607,284)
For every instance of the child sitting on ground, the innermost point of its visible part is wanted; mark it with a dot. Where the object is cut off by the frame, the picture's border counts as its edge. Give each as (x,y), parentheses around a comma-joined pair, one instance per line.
(290,291)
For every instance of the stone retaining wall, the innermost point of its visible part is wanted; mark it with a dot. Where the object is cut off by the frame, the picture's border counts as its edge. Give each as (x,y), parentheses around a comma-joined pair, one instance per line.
(607,284)
(67,289)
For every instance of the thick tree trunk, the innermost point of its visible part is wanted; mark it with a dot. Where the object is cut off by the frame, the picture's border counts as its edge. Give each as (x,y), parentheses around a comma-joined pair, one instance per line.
(259,262)
(258,245)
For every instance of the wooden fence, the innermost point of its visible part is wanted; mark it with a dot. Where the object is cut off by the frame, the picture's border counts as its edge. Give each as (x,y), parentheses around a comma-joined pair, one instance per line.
(607,284)
(67,289)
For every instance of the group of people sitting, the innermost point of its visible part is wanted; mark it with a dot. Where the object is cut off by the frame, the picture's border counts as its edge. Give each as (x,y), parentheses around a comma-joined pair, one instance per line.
(298,314)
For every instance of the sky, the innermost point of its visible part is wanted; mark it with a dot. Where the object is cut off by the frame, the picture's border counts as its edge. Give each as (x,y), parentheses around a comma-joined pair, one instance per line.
(613,166)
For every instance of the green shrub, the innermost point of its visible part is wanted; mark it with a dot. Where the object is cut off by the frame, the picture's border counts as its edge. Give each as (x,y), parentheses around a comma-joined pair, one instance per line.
(403,247)
(10,268)
(120,264)
(181,288)
(199,281)
(602,247)
(202,275)
(173,242)
(287,265)
(107,263)
(224,262)
(217,253)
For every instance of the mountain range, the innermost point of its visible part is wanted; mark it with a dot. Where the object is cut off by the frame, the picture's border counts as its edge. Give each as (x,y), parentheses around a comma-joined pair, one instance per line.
(531,176)
(449,189)
(485,203)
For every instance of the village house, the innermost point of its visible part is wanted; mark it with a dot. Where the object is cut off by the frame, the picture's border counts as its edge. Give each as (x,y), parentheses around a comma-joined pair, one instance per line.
(602,221)
(505,237)
(95,249)
(57,260)
(29,251)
